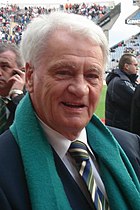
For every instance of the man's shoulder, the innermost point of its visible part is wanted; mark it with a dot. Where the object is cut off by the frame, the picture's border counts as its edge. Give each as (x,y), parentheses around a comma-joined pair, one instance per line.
(13,185)
(129,137)
(117,77)
(130,143)
(126,139)
(8,147)
(6,138)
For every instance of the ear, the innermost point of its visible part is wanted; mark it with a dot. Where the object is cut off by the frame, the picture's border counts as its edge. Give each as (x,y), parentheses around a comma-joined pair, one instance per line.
(126,66)
(29,77)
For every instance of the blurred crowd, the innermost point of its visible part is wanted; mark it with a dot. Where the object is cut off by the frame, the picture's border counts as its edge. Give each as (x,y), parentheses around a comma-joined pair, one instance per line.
(13,19)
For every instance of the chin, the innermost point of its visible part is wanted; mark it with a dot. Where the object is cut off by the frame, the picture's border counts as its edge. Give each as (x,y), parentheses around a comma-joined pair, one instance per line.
(75,122)
(77,126)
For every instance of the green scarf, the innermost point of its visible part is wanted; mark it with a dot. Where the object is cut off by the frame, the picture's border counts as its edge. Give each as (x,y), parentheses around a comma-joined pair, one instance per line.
(45,187)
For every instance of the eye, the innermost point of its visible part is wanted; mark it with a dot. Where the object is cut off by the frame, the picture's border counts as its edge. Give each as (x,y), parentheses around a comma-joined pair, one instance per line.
(4,67)
(92,76)
(63,74)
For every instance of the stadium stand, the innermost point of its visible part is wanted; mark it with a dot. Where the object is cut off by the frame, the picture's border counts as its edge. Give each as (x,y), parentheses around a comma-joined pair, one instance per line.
(14,19)
(108,20)
(12,16)
(131,45)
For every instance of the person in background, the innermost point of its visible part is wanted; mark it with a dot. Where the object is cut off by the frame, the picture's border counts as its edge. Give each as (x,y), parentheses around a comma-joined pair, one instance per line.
(121,84)
(135,112)
(58,153)
(12,81)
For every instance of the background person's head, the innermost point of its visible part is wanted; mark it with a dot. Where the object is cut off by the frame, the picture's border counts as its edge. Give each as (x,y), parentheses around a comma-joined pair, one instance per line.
(10,59)
(128,63)
(65,56)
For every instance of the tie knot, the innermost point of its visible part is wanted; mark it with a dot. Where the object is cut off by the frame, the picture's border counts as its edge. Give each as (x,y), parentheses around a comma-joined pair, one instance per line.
(78,151)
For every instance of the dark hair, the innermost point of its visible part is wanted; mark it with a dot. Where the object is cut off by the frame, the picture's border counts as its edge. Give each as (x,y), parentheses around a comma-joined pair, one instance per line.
(126,58)
(15,49)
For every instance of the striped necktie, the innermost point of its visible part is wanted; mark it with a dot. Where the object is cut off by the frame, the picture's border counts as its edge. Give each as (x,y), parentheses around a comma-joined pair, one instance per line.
(2,115)
(79,152)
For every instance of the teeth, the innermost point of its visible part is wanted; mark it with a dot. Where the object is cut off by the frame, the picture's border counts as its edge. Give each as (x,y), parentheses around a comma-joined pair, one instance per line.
(73,105)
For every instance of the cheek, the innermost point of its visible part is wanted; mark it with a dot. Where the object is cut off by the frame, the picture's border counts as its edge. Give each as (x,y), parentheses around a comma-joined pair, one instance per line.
(47,94)
(7,75)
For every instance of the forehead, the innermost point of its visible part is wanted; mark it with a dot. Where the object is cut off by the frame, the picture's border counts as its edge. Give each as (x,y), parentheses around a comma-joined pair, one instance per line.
(134,60)
(65,44)
(67,37)
(8,56)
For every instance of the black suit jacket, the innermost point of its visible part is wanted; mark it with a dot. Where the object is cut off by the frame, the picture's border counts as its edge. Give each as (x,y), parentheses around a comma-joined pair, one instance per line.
(11,106)
(14,193)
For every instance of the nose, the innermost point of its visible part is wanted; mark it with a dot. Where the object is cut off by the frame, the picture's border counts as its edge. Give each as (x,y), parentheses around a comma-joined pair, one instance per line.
(79,87)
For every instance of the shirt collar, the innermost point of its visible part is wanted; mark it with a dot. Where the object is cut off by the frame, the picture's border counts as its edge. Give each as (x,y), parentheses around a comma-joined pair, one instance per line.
(59,143)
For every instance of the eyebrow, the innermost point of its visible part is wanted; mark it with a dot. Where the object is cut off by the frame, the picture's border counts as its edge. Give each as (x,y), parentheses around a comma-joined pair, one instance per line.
(95,68)
(72,65)
(62,64)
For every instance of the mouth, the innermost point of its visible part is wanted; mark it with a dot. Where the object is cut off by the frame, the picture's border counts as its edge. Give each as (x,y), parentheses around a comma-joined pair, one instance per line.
(72,105)
(2,81)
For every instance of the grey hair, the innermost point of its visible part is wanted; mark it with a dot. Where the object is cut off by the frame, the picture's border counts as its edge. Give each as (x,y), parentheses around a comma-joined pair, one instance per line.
(38,32)
(15,49)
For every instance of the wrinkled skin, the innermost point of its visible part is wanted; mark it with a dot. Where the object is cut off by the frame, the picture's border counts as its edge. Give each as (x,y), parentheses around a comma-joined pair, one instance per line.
(66,87)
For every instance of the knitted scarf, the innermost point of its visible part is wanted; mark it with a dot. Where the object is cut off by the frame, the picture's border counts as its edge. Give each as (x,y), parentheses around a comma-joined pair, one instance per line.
(44,184)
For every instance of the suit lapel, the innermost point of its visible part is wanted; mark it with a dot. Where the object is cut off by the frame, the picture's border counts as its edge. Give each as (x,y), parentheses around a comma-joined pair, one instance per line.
(75,196)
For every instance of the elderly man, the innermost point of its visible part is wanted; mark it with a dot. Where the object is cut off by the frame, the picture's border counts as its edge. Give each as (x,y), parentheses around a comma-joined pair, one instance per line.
(57,154)
(12,81)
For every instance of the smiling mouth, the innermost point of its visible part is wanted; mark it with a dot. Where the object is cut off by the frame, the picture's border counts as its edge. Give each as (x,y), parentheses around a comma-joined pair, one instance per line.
(74,105)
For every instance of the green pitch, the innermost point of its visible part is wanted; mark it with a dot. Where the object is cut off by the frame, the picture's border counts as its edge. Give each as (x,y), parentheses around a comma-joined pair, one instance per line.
(100,111)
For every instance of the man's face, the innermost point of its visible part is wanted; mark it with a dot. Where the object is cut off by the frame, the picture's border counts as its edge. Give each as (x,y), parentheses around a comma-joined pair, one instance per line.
(133,66)
(7,66)
(65,88)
